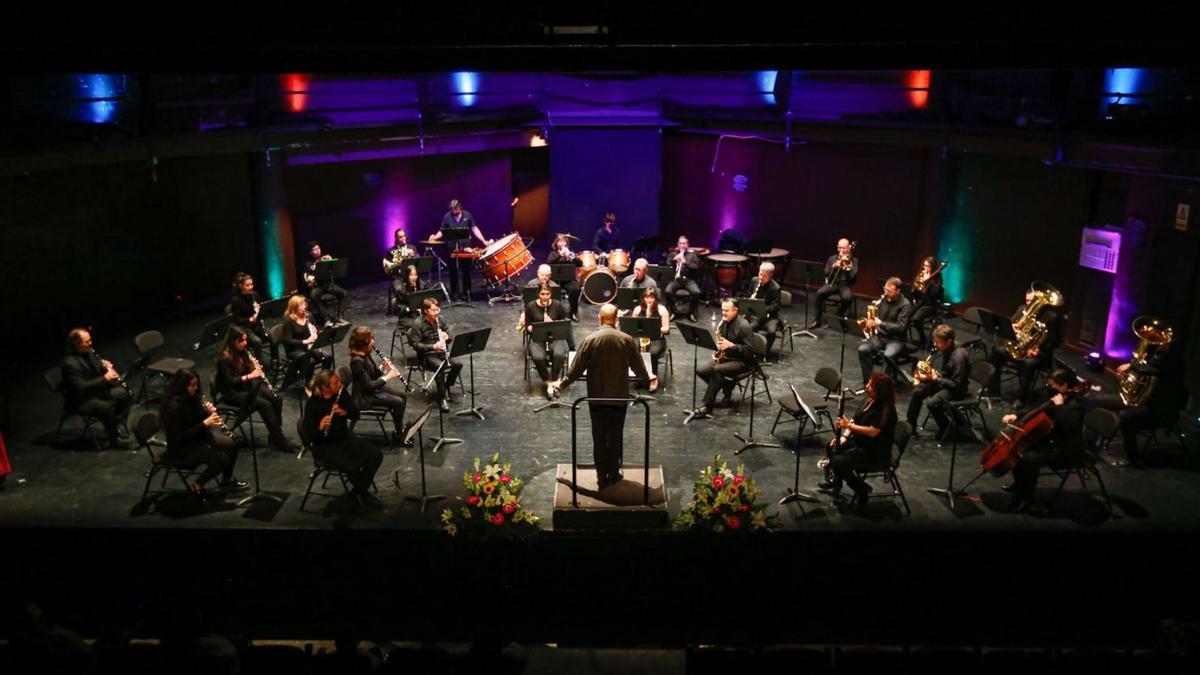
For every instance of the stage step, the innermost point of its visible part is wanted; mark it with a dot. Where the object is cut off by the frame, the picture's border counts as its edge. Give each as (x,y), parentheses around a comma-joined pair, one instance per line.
(618,507)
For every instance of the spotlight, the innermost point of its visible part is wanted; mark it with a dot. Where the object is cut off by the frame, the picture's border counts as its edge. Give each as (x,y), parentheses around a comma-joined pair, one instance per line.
(1094,361)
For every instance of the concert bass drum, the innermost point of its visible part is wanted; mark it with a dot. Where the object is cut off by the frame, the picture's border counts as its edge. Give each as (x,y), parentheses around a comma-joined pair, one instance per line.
(600,286)
(1003,453)
(504,259)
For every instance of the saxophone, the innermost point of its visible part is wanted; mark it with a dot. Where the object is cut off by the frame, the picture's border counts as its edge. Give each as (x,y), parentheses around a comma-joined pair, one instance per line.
(1031,333)
(864,324)
(1151,332)
(719,355)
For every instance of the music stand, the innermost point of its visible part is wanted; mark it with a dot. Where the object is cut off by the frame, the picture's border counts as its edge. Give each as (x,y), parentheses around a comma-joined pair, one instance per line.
(550,331)
(424,265)
(847,324)
(415,430)
(468,344)
(330,336)
(662,275)
(628,298)
(759,246)
(563,273)
(530,293)
(456,236)
(793,493)
(1001,327)
(213,332)
(748,440)
(417,298)
(754,307)
(273,309)
(442,439)
(810,268)
(642,327)
(697,337)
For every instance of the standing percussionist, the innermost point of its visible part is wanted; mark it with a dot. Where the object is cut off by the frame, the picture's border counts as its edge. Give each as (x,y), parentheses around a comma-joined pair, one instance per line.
(244,309)
(318,288)
(458,218)
(1061,449)
(731,359)
(561,254)
(429,337)
(540,310)
(947,382)
(605,238)
(371,388)
(927,296)
(325,425)
(841,271)
(607,356)
(767,290)
(1037,357)
(687,271)
(91,386)
(393,265)
(890,328)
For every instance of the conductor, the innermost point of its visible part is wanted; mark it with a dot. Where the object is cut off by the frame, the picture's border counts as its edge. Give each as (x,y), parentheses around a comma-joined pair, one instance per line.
(606,356)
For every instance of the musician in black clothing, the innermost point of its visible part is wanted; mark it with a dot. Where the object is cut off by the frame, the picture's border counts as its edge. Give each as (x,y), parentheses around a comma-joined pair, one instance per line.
(926,302)
(650,308)
(605,238)
(639,278)
(841,271)
(191,425)
(733,349)
(950,383)
(868,445)
(409,283)
(544,308)
(93,387)
(244,309)
(890,326)
(543,279)
(429,337)
(318,289)
(325,426)
(370,387)
(767,290)
(687,271)
(1159,409)
(561,254)
(394,266)
(458,218)
(1037,358)
(1061,449)
(241,383)
(300,339)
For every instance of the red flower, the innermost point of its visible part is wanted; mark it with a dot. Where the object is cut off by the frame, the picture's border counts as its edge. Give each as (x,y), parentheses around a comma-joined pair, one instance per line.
(738,480)
(505,479)
(716,509)
(745,507)
(498,519)
(477,477)
(509,508)
(473,500)
(718,482)
(733,522)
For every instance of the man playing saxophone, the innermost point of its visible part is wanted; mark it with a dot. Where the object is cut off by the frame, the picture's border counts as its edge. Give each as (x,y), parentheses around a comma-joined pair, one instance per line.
(1040,356)
(936,387)
(731,359)
(889,329)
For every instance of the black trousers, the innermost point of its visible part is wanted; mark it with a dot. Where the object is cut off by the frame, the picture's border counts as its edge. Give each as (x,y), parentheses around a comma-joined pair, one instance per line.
(218,456)
(269,407)
(571,288)
(890,347)
(1027,368)
(1025,473)
(307,361)
(446,376)
(919,316)
(391,400)
(680,305)
(460,267)
(1133,420)
(558,356)
(937,398)
(608,430)
(358,459)
(719,376)
(318,309)
(844,462)
(111,408)
(768,326)
(844,295)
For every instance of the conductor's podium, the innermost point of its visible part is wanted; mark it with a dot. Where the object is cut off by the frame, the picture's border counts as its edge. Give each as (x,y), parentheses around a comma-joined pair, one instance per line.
(622,506)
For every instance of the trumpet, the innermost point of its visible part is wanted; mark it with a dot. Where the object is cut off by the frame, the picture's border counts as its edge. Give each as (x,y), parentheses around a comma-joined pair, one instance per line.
(120,378)
(258,366)
(212,409)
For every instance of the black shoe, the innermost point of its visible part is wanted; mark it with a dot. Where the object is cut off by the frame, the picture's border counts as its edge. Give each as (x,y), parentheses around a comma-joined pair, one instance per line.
(575,318)
(234,484)
(825,485)
(1008,488)
(861,496)
(703,411)
(443,406)
(284,445)
(814,325)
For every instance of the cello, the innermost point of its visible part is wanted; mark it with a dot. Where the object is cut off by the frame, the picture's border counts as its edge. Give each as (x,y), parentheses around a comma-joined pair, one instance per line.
(1010,444)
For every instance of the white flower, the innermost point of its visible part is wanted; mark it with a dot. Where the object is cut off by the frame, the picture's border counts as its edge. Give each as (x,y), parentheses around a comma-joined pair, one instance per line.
(492,472)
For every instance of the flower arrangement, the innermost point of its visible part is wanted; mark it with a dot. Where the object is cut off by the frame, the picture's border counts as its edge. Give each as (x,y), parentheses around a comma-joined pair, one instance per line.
(725,501)
(493,504)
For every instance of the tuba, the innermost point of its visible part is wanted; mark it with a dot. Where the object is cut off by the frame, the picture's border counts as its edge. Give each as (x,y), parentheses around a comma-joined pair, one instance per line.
(1031,333)
(1151,332)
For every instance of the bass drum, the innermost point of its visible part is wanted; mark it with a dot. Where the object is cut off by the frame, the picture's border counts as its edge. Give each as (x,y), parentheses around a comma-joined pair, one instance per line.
(504,259)
(587,264)
(600,286)
(618,260)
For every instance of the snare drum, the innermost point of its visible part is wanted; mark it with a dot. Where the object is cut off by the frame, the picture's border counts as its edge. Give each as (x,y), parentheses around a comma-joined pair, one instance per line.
(505,258)
(618,260)
(587,263)
(600,286)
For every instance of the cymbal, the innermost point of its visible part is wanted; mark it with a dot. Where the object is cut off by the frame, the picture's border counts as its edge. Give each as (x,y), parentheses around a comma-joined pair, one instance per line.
(567,235)
(433,242)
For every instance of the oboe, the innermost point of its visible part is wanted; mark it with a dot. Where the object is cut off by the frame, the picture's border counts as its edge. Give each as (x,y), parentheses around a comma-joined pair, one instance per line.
(120,378)
(258,366)
(212,409)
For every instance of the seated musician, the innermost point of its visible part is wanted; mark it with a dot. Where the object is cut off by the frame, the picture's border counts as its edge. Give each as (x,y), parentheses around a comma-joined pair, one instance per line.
(405,314)
(639,278)
(371,381)
(243,383)
(561,254)
(731,359)
(192,435)
(317,289)
(540,310)
(841,271)
(91,386)
(864,442)
(300,339)
(1061,449)
(649,307)
(244,308)
(890,329)
(326,428)
(429,336)
(542,278)
(393,265)
(606,238)
(947,382)
(926,302)
(1039,357)
(687,271)
(458,218)
(767,290)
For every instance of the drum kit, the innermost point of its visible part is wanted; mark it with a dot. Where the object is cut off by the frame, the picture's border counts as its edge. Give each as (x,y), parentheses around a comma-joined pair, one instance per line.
(598,274)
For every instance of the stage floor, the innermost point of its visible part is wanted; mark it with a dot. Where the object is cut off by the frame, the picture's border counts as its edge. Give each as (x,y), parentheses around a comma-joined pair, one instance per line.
(73,485)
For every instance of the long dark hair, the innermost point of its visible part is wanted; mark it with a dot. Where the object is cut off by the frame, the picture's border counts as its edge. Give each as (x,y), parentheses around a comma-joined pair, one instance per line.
(176,391)
(885,389)
(649,292)
(408,270)
(235,334)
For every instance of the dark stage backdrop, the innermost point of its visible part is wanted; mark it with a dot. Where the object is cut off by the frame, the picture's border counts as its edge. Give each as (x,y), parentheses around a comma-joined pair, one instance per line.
(352,208)
(593,171)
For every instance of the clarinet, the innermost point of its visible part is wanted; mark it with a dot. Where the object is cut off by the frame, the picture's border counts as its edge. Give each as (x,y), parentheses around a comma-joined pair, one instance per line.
(386,361)
(337,399)
(757,284)
(120,378)
(207,405)
(258,366)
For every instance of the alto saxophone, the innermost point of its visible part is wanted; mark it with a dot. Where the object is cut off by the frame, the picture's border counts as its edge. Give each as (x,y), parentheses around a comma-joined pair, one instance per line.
(866,324)
(719,355)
